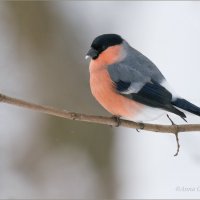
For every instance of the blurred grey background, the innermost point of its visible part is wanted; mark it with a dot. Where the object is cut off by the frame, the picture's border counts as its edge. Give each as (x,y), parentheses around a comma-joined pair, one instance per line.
(42,50)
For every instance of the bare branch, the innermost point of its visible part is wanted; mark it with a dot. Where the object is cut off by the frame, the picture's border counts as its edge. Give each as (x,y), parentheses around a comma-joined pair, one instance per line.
(99,119)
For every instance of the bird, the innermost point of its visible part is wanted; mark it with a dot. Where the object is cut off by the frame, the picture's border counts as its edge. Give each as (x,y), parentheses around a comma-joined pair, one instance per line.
(129,85)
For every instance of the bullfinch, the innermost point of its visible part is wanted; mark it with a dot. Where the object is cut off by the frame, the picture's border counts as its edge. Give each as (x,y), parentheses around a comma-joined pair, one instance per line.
(127,84)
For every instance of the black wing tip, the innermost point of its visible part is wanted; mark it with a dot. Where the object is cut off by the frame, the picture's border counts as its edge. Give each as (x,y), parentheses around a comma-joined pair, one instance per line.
(178,112)
(186,105)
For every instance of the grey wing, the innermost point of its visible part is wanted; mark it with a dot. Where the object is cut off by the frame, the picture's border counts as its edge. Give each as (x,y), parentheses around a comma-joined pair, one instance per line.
(128,80)
(142,87)
(142,64)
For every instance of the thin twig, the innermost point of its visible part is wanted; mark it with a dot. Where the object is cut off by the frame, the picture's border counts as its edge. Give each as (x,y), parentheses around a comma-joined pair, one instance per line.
(178,145)
(176,135)
(98,119)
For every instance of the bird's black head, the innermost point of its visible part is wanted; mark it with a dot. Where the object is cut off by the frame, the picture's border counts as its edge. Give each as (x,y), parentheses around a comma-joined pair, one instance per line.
(102,42)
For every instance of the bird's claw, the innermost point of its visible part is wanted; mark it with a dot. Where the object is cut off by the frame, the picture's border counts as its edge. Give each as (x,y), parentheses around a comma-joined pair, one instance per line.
(117,120)
(141,127)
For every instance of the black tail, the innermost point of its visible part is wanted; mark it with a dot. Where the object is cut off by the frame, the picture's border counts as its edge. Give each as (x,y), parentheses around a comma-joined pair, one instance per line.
(186,105)
(177,112)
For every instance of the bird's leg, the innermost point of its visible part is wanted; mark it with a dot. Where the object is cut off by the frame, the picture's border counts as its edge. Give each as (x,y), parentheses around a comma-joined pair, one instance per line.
(117,119)
(176,134)
(141,127)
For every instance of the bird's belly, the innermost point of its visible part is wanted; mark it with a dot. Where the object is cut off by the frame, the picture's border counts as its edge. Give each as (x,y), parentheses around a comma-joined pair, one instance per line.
(103,89)
(148,114)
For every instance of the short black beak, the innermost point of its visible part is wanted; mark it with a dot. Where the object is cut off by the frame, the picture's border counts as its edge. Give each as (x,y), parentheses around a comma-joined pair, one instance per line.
(92,53)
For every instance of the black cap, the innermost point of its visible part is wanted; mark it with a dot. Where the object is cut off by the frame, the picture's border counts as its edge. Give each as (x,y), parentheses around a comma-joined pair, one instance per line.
(102,42)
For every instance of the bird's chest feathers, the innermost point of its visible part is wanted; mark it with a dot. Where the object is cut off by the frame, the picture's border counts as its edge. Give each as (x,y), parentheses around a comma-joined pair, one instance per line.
(101,84)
